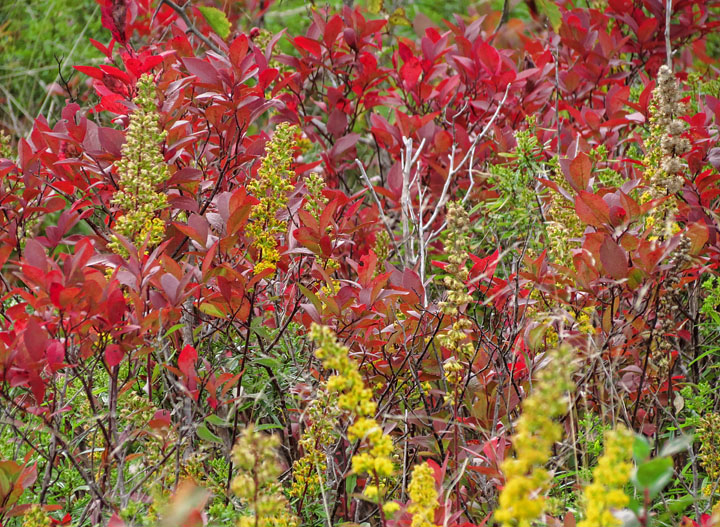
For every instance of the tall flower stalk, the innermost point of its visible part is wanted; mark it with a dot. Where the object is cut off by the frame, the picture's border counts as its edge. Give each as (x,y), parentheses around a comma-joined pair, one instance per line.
(142,170)
(527,481)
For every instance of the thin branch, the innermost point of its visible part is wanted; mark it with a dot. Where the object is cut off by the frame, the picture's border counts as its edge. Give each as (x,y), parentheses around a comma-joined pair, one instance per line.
(377,202)
(180,10)
(668,44)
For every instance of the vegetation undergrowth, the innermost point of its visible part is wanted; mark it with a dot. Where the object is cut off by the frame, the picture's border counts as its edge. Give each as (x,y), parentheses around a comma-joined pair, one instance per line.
(385,263)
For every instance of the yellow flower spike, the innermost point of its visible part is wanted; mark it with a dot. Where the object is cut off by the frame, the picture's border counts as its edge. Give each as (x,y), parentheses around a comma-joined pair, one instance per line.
(390,508)
(423,496)
(36,517)
(141,170)
(316,438)
(708,433)
(271,187)
(315,201)
(522,499)
(257,483)
(373,457)
(610,475)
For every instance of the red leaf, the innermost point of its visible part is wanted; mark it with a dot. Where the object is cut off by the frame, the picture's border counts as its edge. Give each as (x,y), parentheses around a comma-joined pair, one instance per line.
(115,521)
(580,171)
(332,30)
(107,51)
(186,361)
(592,209)
(647,29)
(113,355)
(343,144)
(35,339)
(410,72)
(203,70)
(614,259)
(113,15)
(238,50)
(309,45)
(337,122)
(95,73)
(115,306)
(170,286)
(111,140)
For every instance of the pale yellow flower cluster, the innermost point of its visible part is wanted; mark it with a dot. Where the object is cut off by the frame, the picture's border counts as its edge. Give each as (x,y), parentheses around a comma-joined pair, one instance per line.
(141,170)
(355,398)
(423,496)
(257,481)
(522,499)
(605,494)
(271,187)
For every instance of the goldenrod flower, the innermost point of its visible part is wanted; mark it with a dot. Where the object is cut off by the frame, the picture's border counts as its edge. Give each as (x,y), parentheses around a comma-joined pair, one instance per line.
(314,199)
(522,499)
(271,187)
(424,496)
(612,473)
(316,438)
(36,517)
(141,171)
(257,481)
(709,436)
(355,399)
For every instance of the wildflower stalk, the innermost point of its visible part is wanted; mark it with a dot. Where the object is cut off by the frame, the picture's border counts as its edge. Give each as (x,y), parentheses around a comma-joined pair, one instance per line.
(665,146)
(257,481)
(423,496)
(522,499)
(142,169)
(355,400)
(271,187)
(455,339)
(610,476)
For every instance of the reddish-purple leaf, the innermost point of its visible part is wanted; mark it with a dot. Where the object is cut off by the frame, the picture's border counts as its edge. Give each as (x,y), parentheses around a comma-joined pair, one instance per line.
(614,259)
(580,171)
(113,355)
(592,209)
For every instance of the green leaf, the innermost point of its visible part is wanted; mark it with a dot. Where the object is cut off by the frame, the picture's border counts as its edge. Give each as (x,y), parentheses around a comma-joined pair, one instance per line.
(204,433)
(212,310)
(314,300)
(641,449)
(653,475)
(216,420)
(267,426)
(681,504)
(173,330)
(216,19)
(5,485)
(271,363)
(550,9)
(677,444)
(350,484)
